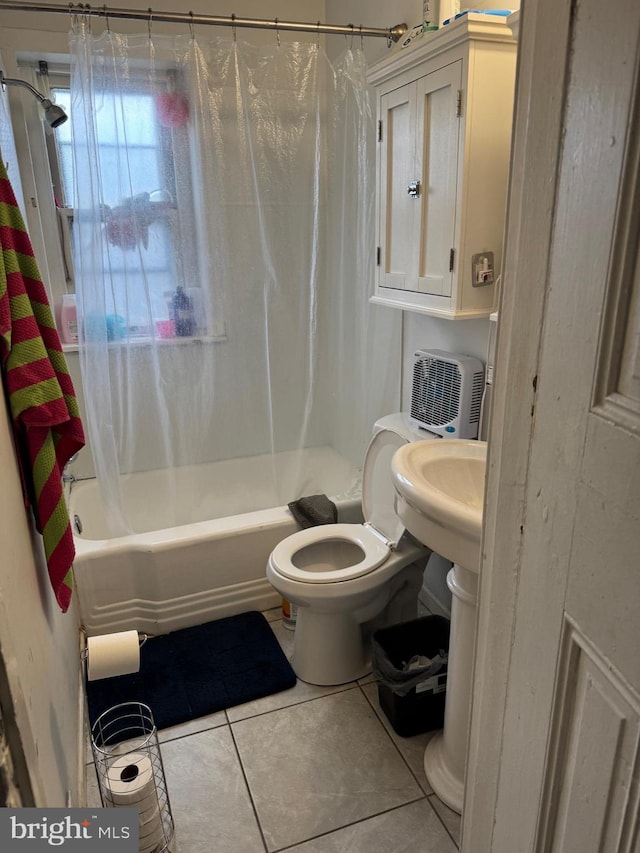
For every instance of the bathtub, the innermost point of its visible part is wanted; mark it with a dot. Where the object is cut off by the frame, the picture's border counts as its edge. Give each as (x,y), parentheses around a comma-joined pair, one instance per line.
(162,578)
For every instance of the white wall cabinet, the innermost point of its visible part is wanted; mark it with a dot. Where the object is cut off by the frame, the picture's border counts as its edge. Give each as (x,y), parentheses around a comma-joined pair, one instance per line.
(444,109)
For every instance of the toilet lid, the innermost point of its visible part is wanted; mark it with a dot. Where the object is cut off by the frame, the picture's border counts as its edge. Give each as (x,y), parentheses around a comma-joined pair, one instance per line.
(378,494)
(329,553)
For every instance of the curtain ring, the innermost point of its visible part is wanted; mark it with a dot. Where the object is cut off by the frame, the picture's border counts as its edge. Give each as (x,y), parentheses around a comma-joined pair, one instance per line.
(86,11)
(150,21)
(361,39)
(277,32)
(234,29)
(191,30)
(352,32)
(318,38)
(106,18)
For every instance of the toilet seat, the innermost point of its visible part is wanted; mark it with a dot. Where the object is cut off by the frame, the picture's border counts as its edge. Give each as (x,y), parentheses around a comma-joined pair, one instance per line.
(360,537)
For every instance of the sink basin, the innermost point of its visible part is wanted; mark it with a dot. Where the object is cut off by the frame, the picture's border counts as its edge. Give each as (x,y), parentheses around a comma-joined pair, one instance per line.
(440,494)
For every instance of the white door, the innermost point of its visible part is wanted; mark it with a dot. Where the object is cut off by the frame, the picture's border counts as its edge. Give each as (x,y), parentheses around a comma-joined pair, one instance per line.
(395,173)
(437,141)
(564,773)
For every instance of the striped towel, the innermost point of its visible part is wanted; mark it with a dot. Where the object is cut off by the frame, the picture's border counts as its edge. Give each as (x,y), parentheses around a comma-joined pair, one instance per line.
(41,397)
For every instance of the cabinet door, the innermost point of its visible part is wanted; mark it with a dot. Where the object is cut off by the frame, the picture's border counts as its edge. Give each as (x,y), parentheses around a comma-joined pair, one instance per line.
(397,157)
(436,159)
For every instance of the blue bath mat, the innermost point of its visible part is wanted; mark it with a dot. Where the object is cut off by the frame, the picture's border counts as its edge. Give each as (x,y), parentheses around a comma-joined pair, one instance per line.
(196,671)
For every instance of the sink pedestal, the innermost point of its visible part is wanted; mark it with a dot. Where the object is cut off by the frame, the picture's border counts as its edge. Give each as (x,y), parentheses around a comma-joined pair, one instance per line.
(440,498)
(444,759)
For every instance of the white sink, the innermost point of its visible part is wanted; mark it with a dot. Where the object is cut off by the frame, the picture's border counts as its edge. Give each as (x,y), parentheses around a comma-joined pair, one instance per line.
(440,495)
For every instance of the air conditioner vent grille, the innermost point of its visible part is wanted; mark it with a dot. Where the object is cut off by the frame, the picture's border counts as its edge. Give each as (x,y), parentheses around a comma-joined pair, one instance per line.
(476,397)
(435,397)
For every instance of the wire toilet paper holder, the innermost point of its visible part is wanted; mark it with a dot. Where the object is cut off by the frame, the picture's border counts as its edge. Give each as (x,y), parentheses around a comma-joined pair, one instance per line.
(126,753)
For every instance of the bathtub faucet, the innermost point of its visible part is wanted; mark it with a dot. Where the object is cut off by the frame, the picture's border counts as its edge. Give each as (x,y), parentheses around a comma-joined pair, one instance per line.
(67,477)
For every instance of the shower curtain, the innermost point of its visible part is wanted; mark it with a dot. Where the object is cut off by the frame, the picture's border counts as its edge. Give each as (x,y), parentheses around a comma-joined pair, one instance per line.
(223,260)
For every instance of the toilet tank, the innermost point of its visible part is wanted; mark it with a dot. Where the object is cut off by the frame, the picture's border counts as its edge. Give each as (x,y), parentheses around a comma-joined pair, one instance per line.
(400,423)
(378,493)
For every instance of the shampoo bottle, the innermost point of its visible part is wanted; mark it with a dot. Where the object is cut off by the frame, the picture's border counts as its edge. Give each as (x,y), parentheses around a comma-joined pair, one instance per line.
(182,314)
(429,16)
(69,319)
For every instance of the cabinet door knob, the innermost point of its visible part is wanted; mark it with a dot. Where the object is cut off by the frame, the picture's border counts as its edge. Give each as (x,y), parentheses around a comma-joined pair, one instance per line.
(414,189)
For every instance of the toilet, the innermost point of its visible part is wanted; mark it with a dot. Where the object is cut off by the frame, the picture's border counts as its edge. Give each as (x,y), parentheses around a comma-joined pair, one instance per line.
(349,579)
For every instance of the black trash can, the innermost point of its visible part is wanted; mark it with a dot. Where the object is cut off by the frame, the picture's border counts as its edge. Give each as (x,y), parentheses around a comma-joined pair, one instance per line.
(413,700)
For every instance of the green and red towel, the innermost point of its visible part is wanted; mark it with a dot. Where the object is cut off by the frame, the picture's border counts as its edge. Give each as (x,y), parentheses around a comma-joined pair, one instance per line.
(40,392)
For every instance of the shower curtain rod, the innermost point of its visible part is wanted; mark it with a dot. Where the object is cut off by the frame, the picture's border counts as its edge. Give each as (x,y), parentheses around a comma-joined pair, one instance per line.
(392,34)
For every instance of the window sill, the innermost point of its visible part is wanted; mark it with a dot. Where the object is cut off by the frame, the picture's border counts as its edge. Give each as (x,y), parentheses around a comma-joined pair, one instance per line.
(196,340)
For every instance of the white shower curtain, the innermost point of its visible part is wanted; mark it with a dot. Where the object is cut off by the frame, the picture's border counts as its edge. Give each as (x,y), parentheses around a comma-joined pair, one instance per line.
(224,259)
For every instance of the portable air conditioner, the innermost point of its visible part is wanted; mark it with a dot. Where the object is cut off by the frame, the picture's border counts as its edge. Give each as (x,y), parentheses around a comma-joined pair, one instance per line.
(447,393)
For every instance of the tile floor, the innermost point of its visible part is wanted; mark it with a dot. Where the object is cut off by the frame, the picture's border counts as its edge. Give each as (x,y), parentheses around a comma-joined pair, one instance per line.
(310,770)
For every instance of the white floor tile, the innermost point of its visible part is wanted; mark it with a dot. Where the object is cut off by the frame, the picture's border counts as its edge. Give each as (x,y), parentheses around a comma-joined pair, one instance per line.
(272,615)
(209,799)
(321,765)
(412,748)
(409,829)
(211,721)
(451,819)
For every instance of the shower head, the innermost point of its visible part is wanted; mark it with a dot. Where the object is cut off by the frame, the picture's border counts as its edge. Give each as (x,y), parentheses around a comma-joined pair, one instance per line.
(53,114)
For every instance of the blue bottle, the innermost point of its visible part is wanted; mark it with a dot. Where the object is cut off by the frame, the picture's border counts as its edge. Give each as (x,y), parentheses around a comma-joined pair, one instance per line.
(182,314)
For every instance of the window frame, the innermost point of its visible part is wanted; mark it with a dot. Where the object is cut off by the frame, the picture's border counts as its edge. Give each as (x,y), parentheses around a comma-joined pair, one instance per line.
(176,173)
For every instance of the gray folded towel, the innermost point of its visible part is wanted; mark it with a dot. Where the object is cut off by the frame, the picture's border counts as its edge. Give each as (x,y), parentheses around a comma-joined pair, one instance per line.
(313,510)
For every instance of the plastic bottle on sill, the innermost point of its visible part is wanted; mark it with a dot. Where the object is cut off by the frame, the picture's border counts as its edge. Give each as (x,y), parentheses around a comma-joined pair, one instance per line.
(194,294)
(182,314)
(69,319)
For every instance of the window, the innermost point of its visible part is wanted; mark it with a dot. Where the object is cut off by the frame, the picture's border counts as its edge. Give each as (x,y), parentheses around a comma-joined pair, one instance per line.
(146,248)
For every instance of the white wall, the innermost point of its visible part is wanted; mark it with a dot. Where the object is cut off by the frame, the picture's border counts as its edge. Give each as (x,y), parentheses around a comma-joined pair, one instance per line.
(39,644)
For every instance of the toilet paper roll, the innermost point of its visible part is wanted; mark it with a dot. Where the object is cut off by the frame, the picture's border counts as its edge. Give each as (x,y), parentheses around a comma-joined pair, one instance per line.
(150,833)
(150,822)
(113,654)
(149,827)
(151,843)
(129,781)
(146,806)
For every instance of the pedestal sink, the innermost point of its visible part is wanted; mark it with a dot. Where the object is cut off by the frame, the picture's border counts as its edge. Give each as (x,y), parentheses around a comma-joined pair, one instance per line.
(440,494)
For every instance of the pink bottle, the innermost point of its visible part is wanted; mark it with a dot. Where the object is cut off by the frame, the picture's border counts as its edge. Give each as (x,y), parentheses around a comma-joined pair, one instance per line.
(69,319)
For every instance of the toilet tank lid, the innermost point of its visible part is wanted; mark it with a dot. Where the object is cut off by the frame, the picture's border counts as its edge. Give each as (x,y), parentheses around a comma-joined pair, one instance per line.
(378,494)
(400,424)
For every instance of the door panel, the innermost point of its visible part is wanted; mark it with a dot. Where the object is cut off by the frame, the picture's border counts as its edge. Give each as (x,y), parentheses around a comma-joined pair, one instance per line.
(594,748)
(437,164)
(396,172)
(570,745)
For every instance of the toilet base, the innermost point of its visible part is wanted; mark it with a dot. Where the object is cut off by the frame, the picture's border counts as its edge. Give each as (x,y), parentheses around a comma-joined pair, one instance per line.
(328,648)
(332,648)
